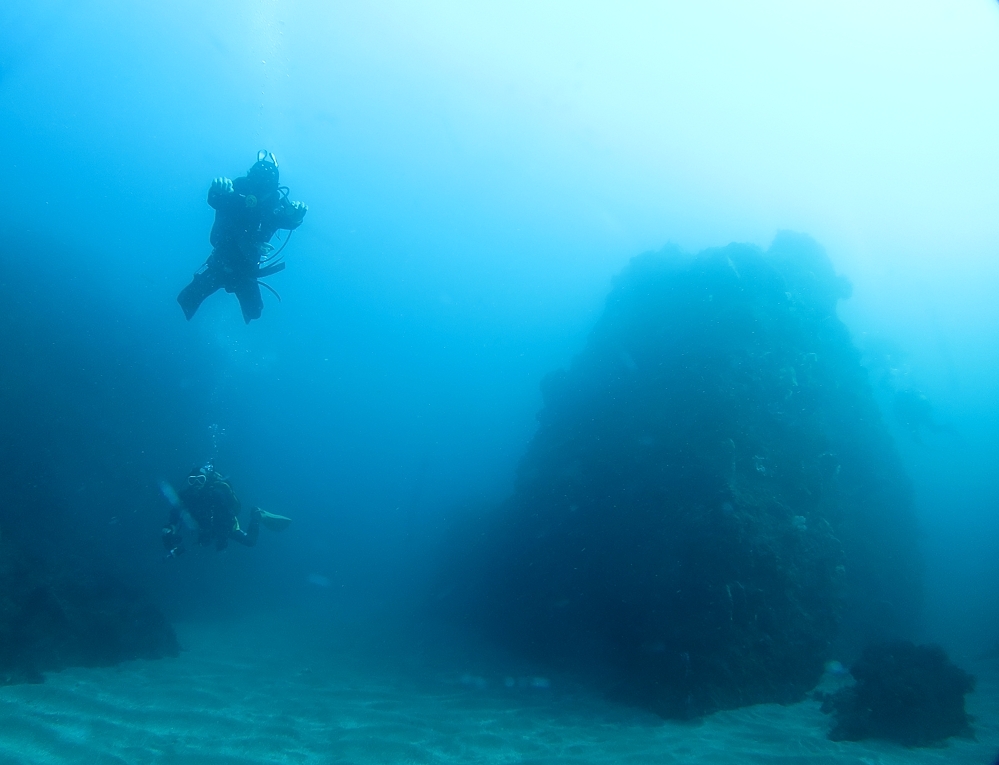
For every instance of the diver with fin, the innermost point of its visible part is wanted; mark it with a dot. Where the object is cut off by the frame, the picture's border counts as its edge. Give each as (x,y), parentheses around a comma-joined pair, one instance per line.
(248,212)
(209,506)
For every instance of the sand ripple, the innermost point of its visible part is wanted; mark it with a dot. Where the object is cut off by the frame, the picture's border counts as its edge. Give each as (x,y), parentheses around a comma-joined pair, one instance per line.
(234,697)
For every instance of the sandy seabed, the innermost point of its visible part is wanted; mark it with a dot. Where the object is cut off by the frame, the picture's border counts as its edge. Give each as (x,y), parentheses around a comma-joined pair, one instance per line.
(280,692)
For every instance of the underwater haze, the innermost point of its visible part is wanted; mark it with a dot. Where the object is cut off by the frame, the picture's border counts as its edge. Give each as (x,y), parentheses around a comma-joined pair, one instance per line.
(479,178)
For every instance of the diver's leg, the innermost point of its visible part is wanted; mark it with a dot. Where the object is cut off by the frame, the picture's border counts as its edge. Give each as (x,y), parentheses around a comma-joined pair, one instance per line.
(248,537)
(250,302)
(204,283)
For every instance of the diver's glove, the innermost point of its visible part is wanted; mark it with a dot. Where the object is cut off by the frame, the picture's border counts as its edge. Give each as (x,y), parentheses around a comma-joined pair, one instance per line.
(222,186)
(172,541)
(300,208)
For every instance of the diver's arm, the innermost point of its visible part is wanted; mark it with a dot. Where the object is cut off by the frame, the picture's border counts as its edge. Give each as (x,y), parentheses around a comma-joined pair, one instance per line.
(220,190)
(290,215)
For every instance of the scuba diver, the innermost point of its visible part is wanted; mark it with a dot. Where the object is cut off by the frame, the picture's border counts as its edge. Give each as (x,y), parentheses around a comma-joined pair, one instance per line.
(248,212)
(209,506)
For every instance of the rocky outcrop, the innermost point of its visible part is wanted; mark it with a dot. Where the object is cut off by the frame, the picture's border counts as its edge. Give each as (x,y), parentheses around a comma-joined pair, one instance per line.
(711,498)
(910,694)
(52,620)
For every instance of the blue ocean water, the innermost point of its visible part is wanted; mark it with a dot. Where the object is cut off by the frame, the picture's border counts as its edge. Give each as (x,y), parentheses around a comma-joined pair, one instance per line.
(476,177)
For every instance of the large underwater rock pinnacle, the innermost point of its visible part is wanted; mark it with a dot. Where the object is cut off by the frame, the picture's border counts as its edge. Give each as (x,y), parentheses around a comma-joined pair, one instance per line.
(711,499)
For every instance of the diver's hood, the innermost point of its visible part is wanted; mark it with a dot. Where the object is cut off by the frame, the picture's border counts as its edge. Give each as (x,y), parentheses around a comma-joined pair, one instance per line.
(264,172)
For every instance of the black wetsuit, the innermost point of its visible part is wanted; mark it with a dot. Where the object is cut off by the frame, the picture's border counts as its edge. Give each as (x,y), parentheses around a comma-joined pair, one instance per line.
(245,219)
(215,509)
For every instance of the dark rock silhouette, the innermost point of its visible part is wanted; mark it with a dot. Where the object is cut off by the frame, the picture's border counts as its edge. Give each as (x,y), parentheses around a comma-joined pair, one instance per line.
(909,694)
(90,412)
(711,498)
(52,621)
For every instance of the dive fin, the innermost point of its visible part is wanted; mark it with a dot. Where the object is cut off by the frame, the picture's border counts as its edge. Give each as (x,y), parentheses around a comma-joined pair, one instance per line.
(272,521)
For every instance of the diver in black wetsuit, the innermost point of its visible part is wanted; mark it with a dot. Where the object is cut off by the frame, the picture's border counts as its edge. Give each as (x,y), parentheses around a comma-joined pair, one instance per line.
(209,505)
(248,212)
